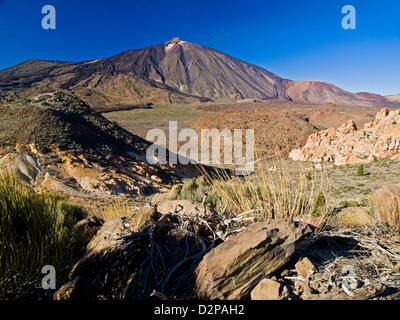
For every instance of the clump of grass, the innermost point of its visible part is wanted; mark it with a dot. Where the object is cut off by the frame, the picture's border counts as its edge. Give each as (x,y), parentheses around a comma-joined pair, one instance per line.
(35,230)
(366,202)
(355,217)
(114,210)
(264,194)
(349,203)
(319,203)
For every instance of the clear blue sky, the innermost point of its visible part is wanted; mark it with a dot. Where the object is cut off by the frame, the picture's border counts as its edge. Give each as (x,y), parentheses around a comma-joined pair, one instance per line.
(299,40)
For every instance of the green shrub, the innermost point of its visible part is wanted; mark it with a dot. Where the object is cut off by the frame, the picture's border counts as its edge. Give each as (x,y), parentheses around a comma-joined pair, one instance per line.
(35,230)
(319,203)
(366,202)
(360,171)
(194,189)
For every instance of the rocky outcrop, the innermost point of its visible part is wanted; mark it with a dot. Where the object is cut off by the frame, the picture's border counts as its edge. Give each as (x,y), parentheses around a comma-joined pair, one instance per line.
(349,145)
(177,251)
(156,248)
(162,251)
(234,268)
(59,171)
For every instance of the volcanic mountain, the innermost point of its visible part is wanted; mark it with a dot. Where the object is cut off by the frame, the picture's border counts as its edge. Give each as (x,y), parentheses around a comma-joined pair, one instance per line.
(174,72)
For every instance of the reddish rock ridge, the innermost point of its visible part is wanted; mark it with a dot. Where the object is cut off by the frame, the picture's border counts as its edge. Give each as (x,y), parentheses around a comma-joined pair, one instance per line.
(349,145)
(317,92)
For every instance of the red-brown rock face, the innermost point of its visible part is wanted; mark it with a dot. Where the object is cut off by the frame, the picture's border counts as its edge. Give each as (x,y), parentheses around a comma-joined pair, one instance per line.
(349,145)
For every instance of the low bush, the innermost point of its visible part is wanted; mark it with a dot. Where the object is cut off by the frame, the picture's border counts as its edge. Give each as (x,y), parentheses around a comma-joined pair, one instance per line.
(35,230)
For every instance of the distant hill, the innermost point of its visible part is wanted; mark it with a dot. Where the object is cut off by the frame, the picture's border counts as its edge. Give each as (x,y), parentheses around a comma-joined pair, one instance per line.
(394,98)
(56,142)
(323,92)
(171,73)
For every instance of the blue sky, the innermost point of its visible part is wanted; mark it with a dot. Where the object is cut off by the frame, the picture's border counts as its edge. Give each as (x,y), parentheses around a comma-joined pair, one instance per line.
(298,40)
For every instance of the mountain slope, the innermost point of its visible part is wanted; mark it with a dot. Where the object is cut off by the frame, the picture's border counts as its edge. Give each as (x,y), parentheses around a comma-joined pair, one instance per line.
(103,89)
(57,142)
(394,97)
(319,92)
(190,69)
(174,72)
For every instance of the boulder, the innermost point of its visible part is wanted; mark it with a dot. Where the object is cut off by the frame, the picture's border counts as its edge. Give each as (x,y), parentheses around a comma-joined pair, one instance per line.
(317,222)
(143,217)
(109,236)
(387,204)
(234,268)
(78,288)
(89,226)
(267,289)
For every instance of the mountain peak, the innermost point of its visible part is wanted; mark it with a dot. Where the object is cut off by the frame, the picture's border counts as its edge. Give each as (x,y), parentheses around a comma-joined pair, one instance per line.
(174,40)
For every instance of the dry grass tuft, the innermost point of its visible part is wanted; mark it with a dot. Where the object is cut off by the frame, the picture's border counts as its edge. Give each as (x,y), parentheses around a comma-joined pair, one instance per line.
(265,194)
(114,209)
